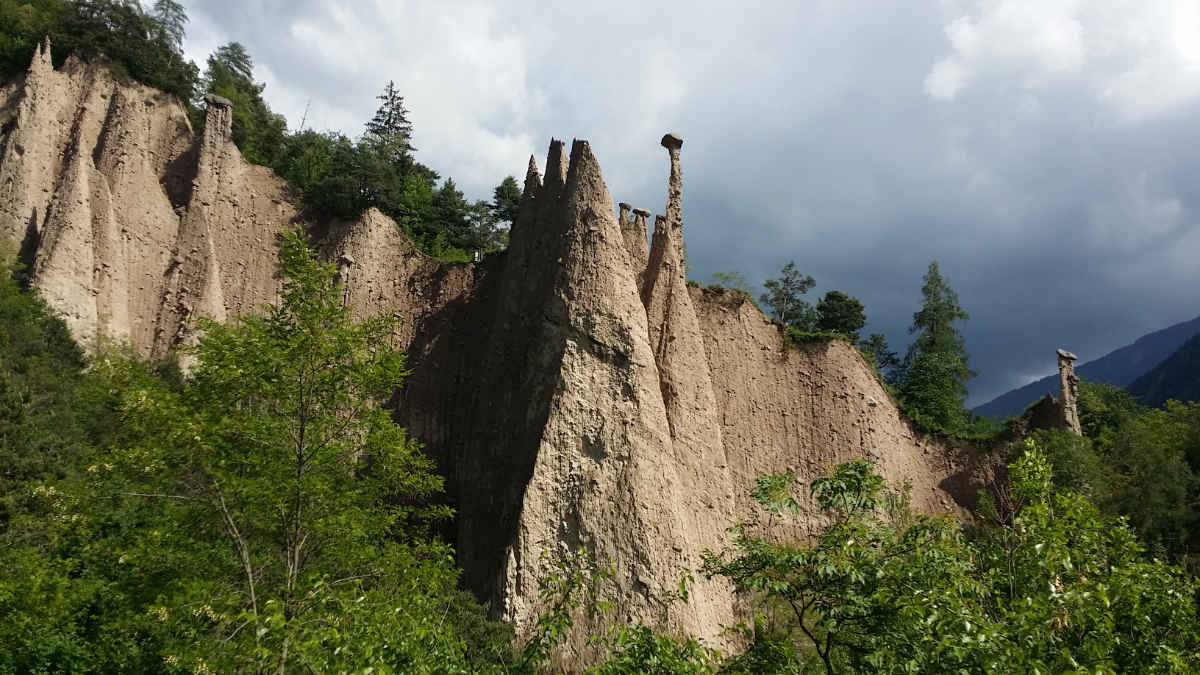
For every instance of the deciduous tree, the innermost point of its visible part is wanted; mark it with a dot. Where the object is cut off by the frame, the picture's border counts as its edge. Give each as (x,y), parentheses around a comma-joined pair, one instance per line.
(785,298)
(841,313)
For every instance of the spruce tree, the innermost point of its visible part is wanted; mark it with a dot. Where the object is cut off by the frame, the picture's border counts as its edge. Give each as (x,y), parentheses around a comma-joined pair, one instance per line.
(506,200)
(390,131)
(934,374)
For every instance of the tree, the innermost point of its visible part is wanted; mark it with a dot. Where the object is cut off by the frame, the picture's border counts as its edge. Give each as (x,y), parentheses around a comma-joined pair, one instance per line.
(733,280)
(506,199)
(258,132)
(784,298)
(234,58)
(879,353)
(486,234)
(23,25)
(1051,585)
(934,374)
(390,131)
(303,510)
(840,313)
(171,19)
(134,41)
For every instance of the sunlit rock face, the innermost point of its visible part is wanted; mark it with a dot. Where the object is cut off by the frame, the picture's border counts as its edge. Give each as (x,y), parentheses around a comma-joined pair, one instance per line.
(574,389)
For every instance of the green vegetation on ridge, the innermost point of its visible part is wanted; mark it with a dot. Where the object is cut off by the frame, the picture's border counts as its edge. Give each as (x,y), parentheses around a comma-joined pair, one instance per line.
(337,176)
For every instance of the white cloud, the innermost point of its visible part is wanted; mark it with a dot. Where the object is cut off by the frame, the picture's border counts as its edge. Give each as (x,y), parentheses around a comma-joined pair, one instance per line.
(809,135)
(462,73)
(1141,58)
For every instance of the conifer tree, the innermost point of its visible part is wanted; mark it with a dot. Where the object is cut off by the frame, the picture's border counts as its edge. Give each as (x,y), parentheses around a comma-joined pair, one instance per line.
(934,374)
(506,198)
(390,130)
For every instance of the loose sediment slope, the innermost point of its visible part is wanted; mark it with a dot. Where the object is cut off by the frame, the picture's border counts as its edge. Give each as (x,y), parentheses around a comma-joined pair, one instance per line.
(575,390)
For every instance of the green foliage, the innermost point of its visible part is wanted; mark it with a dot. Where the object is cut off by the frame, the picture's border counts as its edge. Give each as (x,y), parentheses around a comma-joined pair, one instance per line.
(877,352)
(636,649)
(1155,460)
(257,131)
(389,133)
(145,45)
(572,585)
(59,612)
(316,164)
(23,24)
(840,313)
(170,19)
(793,336)
(785,299)
(1139,463)
(732,280)
(932,381)
(1077,466)
(1050,586)
(339,177)
(49,411)
(506,200)
(1104,409)
(265,515)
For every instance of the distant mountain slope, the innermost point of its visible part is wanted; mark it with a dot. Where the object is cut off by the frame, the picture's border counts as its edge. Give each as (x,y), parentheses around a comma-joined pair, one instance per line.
(1119,367)
(1177,377)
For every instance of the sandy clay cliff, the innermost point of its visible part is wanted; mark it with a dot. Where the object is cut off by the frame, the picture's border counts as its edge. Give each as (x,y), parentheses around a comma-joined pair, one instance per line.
(574,389)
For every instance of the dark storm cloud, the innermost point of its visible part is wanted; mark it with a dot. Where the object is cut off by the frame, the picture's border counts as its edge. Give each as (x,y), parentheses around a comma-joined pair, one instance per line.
(1038,150)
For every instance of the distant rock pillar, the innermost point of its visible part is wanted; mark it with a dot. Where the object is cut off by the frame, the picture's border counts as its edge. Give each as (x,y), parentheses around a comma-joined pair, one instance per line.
(1068,387)
(673,144)
(633,231)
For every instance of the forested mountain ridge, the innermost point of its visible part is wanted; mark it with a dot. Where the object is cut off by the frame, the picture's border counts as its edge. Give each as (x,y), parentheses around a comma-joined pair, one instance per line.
(1177,377)
(1119,367)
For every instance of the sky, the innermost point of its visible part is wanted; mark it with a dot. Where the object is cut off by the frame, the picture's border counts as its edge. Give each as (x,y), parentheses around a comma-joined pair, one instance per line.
(1040,150)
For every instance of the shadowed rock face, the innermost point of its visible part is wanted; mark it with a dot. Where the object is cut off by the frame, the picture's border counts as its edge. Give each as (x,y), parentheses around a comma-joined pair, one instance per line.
(573,389)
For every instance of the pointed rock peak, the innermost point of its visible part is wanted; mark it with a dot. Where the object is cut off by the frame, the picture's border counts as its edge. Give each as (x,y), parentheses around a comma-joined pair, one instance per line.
(672,142)
(41,56)
(533,180)
(556,164)
(660,224)
(583,164)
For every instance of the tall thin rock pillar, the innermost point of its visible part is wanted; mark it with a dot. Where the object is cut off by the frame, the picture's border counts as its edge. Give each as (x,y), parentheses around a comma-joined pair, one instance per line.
(1068,386)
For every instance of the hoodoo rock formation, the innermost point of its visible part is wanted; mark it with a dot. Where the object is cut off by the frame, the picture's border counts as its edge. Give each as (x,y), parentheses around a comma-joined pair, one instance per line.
(1062,412)
(574,389)
(1068,388)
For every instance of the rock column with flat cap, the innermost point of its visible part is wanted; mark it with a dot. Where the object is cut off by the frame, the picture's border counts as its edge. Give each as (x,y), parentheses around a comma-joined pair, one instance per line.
(633,231)
(674,144)
(1068,386)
